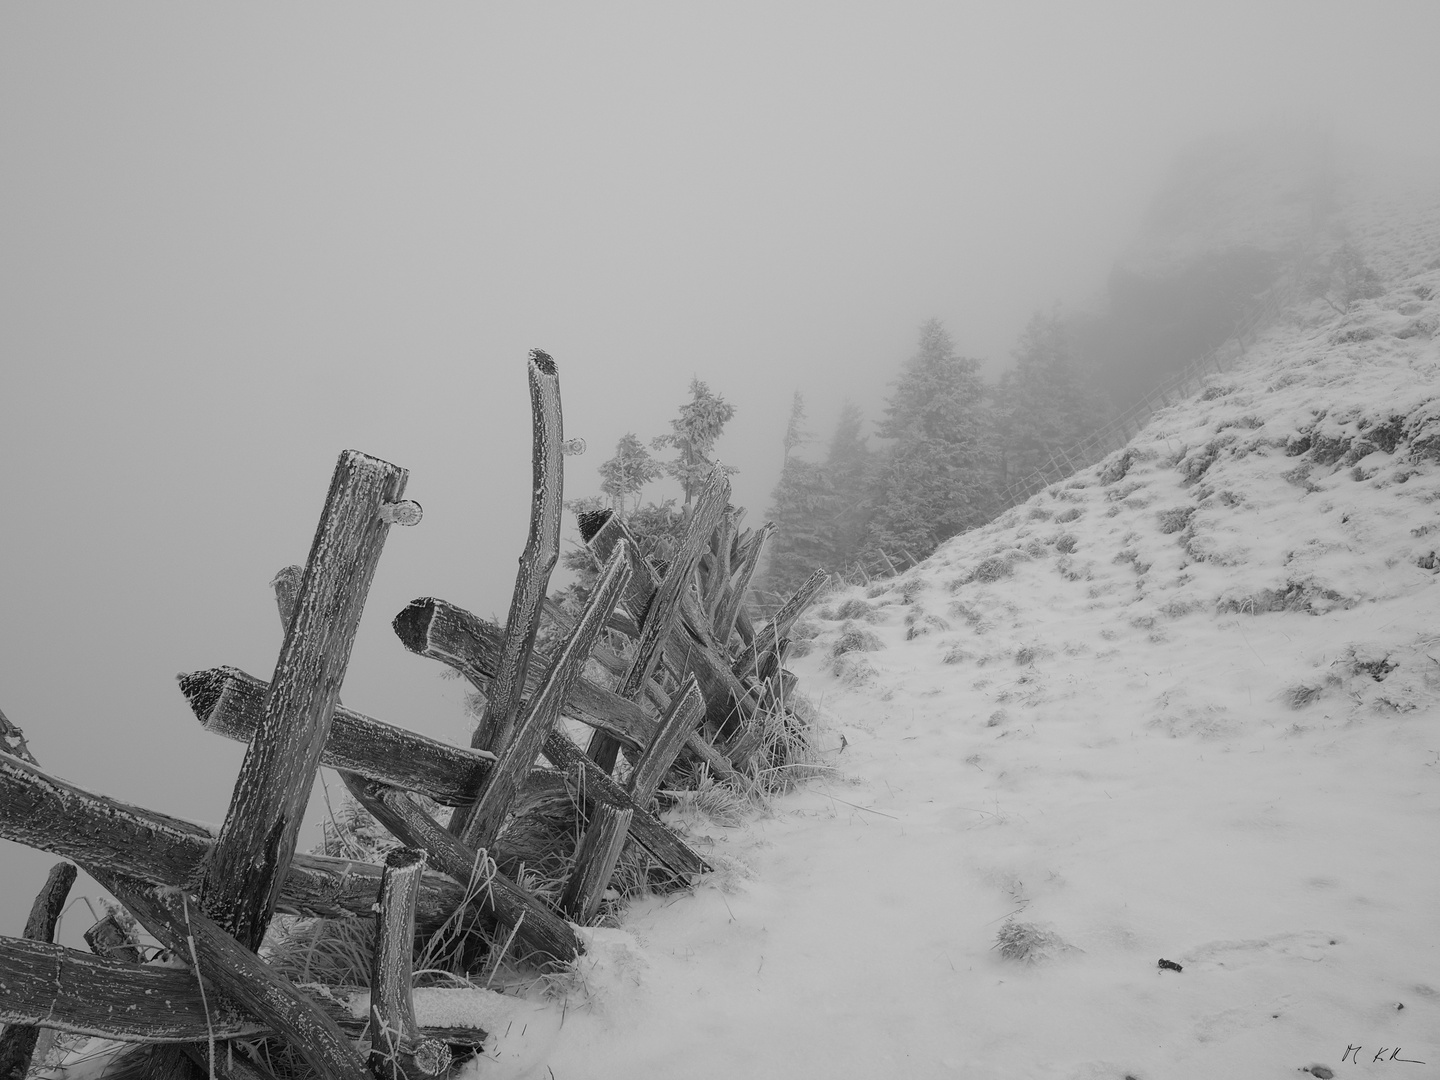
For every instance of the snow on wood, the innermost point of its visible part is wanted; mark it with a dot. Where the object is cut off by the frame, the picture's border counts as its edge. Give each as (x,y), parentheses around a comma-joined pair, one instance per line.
(245,872)
(595,860)
(229,702)
(471,646)
(542,552)
(482,824)
(484,885)
(396,1046)
(657,620)
(17,1041)
(44,812)
(217,957)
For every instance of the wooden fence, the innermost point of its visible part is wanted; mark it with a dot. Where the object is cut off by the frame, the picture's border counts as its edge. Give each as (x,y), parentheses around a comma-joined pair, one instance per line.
(684,679)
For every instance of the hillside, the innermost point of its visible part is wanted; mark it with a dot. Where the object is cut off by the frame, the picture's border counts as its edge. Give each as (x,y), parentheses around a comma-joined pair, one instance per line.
(1182,706)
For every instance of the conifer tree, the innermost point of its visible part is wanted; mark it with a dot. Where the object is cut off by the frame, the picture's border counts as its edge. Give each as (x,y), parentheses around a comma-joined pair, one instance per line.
(693,433)
(1046,404)
(849,467)
(938,476)
(799,507)
(625,475)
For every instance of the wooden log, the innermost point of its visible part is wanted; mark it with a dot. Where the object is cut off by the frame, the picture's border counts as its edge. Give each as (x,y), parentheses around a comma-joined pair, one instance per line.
(470,645)
(482,823)
(749,559)
(597,788)
(76,992)
(599,849)
(397,1048)
(243,877)
(709,508)
(719,575)
(779,625)
(231,703)
(542,551)
(595,860)
(686,710)
(690,642)
(108,938)
(112,999)
(485,886)
(221,961)
(17,1041)
(42,811)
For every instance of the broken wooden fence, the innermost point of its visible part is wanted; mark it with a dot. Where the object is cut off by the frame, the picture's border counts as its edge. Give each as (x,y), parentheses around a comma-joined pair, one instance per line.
(689,679)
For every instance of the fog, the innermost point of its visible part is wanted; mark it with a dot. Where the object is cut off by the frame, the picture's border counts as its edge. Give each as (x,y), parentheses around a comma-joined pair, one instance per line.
(237,240)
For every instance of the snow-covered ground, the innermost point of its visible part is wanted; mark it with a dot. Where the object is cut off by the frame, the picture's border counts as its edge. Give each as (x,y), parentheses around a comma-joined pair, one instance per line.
(1183,706)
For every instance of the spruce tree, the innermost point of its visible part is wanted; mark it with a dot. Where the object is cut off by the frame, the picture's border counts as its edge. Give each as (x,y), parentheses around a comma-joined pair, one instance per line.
(938,476)
(1047,403)
(625,475)
(799,507)
(849,468)
(693,433)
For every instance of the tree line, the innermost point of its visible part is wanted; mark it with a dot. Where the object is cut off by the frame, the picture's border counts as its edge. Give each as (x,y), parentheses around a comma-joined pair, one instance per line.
(948,445)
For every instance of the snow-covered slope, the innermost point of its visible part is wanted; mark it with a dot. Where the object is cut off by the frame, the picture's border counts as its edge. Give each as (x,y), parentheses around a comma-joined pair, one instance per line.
(1182,707)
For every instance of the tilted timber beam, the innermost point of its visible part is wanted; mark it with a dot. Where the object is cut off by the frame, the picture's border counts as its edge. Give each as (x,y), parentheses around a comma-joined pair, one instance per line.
(231,703)
(541,553)
(42,811)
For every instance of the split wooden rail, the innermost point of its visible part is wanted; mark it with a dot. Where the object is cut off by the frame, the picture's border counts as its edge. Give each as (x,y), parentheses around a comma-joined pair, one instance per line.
(666,669)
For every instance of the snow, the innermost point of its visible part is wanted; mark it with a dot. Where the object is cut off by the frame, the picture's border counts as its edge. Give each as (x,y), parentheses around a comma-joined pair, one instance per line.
(1188,714)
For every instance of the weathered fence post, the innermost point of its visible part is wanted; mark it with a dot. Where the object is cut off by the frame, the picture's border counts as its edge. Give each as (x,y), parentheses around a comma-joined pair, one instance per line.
(396,1047)
(18,1041)
(245,870)
(542,552)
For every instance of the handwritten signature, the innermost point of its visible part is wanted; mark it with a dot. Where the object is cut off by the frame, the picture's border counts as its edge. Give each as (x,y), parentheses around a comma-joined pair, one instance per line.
(1352,1053)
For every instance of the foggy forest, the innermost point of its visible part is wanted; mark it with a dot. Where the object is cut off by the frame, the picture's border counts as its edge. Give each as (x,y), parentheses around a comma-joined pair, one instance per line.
(907,541)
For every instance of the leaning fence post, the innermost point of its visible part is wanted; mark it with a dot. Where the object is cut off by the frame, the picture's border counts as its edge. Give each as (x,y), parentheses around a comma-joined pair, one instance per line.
(599,850)
(655,628)
(542,552)
(17,1041)
(245,870)
(395,1040)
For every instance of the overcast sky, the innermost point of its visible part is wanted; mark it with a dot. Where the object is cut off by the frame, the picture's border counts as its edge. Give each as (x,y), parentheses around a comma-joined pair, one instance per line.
(235,240)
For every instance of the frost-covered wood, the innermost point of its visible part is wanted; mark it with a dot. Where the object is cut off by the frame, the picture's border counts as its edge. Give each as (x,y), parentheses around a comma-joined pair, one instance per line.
(245,872)
(690,641)
(686,710)
(112,999)
(45,812)
(595,860)
(470,645)
(17,1041)
(597,788)
(768,637)
(749,558)
(655,626)
(177,923)
(229,702)
(718,575)
(542,551)
(599,849)
(482,824)
(490,890)
(394,1036)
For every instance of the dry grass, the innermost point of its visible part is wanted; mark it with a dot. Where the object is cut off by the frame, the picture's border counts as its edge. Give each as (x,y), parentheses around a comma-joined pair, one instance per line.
(1029,943)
